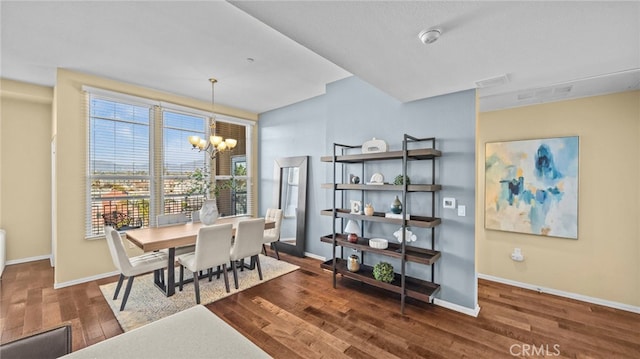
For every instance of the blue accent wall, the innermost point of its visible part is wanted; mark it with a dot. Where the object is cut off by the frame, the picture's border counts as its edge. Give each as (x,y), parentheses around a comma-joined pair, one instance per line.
(352,112)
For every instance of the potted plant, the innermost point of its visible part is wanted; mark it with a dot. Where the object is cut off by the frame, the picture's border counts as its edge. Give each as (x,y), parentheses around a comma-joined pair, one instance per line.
(383,272)
(199,183)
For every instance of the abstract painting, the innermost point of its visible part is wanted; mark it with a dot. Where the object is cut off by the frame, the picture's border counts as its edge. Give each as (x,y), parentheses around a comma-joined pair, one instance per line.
(531,186)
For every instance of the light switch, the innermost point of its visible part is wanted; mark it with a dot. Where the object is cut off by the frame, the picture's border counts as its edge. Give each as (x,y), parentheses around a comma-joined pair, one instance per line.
(448,202)
(462,210)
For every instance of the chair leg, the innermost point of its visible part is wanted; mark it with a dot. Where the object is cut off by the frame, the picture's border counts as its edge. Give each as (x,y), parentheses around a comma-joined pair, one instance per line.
(218,272)
(210,273)
(264,249)
(235,273)
(226,277)
(181,277)
(120,280)
(196,284)
(257,259)
(242,265)
(275,248)
(126,292)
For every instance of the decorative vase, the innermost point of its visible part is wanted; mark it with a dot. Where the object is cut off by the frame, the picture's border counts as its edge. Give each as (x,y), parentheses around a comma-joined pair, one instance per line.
(368,209)
(353,265)
(352,237)
(209,212)
(396,206)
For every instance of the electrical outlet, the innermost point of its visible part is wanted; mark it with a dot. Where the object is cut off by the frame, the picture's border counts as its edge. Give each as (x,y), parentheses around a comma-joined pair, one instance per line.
(517,255)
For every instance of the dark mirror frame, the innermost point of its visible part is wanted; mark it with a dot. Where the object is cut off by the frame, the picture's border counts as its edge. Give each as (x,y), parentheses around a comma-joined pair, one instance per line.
(301,211)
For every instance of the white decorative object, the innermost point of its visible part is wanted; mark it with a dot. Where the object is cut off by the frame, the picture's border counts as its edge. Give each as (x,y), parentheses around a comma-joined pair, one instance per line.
(356,207)
(378,243)
(377,178)
(408,235)
(209,212)
(393,215)
(374,146)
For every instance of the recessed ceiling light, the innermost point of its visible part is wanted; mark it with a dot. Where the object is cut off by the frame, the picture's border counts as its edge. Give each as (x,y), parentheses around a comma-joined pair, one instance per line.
(430,36)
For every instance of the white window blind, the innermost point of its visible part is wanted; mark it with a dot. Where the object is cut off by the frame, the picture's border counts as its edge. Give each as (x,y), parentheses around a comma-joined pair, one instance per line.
(180,161)
(119,177)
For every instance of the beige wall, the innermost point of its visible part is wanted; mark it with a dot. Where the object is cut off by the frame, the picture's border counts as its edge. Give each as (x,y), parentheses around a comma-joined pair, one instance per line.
(604,262)
(77,257)
(25,169)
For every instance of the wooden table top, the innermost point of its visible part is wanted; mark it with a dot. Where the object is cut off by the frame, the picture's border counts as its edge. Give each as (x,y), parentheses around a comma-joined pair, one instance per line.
(156,238)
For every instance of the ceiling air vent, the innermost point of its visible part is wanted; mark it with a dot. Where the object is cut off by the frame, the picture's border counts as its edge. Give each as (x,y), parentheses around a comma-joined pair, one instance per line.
(525,96)
(493,81)
(563,90)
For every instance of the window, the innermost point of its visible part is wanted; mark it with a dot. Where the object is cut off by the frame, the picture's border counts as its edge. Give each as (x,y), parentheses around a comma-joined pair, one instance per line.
(140,163)
(119,171)
(180,161)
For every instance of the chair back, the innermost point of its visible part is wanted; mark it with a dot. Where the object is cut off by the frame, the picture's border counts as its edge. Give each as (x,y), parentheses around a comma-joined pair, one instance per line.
(213,245)
(273,234)
(249,239)
(51,343)
(118,253)
(171,219)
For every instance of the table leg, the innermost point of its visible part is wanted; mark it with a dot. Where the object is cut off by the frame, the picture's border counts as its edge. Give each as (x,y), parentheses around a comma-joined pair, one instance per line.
(171,273)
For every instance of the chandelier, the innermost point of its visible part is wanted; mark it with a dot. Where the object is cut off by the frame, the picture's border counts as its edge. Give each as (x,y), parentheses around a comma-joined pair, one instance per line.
(216,144)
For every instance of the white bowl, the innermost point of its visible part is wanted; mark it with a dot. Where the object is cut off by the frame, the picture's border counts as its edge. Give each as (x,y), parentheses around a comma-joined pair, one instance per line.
(378,243)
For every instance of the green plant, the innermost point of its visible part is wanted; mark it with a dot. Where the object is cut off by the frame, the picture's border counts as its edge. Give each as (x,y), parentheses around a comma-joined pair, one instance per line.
(399,180)
(199,183)
(383,272)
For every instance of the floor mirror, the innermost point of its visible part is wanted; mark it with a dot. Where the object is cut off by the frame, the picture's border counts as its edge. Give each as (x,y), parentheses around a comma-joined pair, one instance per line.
(290,183)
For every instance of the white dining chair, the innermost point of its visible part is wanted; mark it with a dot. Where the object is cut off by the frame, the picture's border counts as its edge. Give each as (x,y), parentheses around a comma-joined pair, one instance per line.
(247,243)
(131,267)
(213,244)
(171,219)
(273,234)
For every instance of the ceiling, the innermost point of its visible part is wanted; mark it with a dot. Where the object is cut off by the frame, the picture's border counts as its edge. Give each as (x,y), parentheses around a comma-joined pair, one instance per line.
(269,54)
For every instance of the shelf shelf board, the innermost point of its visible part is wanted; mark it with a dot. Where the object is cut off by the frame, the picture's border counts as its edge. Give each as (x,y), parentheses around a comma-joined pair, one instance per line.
(415,288)
(415,221)
(417,154)
(383,187)
(413,254)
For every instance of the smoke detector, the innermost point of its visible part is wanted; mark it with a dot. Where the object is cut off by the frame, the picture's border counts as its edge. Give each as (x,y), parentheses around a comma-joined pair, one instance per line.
(430,36)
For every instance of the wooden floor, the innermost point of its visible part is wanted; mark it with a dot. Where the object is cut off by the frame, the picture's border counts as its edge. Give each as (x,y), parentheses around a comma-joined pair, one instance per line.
(300,315)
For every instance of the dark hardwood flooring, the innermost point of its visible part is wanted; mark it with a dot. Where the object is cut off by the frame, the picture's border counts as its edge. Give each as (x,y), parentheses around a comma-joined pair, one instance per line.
(300,315)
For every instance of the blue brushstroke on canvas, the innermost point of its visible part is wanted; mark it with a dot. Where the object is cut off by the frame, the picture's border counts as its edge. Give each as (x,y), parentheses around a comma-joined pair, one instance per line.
(545,168)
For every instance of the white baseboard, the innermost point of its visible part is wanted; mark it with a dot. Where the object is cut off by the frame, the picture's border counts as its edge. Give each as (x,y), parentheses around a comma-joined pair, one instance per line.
(315,256)
(29,259)
(84,280)
(458,308)
(561,293)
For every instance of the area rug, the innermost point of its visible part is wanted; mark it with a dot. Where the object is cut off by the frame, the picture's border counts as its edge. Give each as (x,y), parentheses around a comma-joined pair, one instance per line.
(147,303)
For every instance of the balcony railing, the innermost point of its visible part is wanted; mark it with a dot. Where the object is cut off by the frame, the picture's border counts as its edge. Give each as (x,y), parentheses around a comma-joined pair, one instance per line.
(138,208)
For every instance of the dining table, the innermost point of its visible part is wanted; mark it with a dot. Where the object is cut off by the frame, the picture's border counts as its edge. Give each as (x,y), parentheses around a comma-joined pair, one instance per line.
(151,239)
